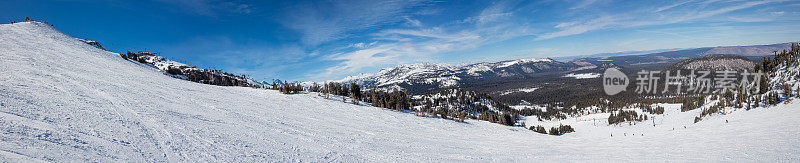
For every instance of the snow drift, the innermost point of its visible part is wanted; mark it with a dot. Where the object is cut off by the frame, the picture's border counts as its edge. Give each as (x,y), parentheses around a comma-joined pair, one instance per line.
(64,100)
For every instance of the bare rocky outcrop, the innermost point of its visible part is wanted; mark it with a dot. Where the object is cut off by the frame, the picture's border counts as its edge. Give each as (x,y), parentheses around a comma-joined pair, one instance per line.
(93,43)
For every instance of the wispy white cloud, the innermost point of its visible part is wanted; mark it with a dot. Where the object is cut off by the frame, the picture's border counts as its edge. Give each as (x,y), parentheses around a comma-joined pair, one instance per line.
(751,19)
(239,8)
(212,8)
(709,13)
(777,13)
(493,13)
(583,4)
(640,18)
(323,21)
(358,59)
(413,22)
(362,45)
(671,6)
(575,27)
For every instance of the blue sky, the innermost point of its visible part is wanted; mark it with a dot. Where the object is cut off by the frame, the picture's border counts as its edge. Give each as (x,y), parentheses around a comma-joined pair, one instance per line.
(323,40)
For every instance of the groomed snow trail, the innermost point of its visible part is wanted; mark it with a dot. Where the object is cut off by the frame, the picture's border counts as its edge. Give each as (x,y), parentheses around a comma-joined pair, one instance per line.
(63,100)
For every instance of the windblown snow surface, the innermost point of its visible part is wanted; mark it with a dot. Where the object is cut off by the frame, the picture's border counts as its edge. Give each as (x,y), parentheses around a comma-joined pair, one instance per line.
(63,100)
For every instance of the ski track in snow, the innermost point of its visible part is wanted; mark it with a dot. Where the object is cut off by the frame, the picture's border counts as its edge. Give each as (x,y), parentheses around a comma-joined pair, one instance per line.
(63,100)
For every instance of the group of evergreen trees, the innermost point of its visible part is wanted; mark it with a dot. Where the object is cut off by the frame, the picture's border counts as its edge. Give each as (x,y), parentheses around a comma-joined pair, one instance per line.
(394,100)
(552,112)
(458,105)
(538,129)
(334,88)
(560,130)
(777,91)
(625,115)
(786,56)
(504,118)
(288,88)
(651,109)
(692,103)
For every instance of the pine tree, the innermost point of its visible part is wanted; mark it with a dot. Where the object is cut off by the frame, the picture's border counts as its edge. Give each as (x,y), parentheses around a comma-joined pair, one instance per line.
(554,131)
(506,119)
(375,101)
(355,90)
(539,129)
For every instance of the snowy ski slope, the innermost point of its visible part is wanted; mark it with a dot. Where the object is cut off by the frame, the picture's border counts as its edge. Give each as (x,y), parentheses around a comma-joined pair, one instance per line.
(63,100)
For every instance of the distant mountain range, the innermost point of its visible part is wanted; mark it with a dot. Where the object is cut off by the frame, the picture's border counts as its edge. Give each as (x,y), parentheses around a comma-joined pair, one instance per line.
(424,77)
(754,50)
(668,57)
(715,62)
(541,80)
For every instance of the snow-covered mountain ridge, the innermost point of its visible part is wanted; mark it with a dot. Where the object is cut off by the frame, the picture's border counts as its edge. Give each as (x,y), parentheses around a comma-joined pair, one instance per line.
(446,75)
(407,73)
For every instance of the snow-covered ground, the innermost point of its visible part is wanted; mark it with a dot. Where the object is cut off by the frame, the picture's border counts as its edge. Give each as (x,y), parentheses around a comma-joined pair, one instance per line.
(583,76)
(63,100)
(526,90)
